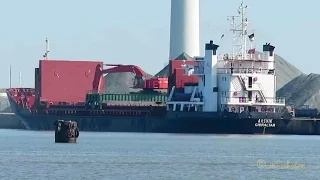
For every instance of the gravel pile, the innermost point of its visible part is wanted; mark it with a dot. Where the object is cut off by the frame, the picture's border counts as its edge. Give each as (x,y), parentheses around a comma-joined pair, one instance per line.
(120,82)
(4,105)
(285,72)
(2,90)
(302,91)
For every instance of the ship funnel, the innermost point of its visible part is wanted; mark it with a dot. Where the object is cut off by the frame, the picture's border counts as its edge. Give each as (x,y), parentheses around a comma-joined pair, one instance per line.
(212,47)
(268,51)
(268,48)
(210,85)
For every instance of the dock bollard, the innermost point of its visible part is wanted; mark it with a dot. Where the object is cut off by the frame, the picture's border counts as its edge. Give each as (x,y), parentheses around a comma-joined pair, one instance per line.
(66,131)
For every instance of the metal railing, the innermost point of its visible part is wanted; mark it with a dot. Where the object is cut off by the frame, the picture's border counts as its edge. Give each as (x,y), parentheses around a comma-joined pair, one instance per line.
(228,56)
(242,71)
(245,100)
(94,92)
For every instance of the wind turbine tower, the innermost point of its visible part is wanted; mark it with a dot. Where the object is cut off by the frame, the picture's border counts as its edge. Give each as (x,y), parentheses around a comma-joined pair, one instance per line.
(184,28)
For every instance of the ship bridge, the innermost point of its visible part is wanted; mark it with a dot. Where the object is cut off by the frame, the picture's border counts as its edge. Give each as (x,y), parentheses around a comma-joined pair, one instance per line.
(249,79)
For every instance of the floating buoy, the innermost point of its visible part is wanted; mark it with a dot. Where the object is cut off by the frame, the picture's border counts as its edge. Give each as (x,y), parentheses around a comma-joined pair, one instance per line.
(66,131)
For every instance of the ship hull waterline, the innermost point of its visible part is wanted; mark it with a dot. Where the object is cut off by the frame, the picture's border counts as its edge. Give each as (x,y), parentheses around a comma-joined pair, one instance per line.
(193,125)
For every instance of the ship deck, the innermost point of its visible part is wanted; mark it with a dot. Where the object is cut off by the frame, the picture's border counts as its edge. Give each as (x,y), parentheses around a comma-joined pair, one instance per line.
(7,114)
(305,119)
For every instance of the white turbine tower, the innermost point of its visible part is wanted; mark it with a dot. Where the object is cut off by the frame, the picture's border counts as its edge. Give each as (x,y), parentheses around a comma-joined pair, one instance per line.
(184,28)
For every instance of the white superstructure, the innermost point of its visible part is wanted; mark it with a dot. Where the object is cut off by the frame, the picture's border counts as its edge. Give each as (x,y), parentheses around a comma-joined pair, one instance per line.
(184,28)
(243,80)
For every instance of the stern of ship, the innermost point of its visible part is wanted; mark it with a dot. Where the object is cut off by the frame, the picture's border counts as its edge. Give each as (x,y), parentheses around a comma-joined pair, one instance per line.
(265,123)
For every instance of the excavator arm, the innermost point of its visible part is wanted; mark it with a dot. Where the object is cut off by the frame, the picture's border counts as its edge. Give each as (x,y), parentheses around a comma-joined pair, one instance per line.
(140,78)
(124,68)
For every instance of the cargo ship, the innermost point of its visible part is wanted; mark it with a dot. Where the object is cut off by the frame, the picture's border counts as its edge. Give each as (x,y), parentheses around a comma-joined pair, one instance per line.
(219,93)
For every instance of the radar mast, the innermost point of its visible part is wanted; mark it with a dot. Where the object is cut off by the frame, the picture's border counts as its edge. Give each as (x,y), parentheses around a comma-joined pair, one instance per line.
(240,33)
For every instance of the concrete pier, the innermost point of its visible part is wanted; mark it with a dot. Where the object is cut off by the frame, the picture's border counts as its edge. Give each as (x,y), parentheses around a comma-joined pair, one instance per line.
(10,121)
(303,126)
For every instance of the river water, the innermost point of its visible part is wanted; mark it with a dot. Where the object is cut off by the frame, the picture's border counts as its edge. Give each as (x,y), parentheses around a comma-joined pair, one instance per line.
(34,155)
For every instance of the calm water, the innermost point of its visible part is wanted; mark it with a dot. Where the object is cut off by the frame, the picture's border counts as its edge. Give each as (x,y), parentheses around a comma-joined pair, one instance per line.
(34,155)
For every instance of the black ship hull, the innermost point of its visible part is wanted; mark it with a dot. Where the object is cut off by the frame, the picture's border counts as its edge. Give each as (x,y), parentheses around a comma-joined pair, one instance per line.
(172,122)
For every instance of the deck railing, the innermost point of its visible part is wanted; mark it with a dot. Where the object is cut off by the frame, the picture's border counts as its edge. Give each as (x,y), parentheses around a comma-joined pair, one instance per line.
(245,100)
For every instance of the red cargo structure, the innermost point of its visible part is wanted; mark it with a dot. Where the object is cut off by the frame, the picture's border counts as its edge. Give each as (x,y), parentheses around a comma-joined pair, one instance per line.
(67,81)
(177,76)
(156,83)
(23,97)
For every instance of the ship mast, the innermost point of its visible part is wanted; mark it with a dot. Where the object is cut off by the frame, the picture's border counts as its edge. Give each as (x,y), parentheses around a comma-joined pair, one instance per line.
(46,54)
(240,33)
(233,28)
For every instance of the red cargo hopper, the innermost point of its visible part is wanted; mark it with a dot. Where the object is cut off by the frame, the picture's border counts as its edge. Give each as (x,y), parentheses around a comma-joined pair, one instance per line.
(156,83)
(68,81)
(177,64)
(22,97)
(181,79)
(177,76)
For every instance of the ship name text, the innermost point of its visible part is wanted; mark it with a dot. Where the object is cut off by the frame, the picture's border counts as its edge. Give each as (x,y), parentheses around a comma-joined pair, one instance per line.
(265,123)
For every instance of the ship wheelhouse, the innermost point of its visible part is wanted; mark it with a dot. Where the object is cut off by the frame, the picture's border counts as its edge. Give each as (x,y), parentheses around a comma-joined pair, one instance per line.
(248,84)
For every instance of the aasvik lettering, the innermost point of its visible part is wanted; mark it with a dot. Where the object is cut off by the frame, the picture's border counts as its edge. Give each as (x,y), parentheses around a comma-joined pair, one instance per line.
(265,123)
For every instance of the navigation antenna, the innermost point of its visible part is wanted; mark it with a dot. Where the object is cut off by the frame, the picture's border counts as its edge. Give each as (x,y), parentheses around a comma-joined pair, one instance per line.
(240,33)
(46,54)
